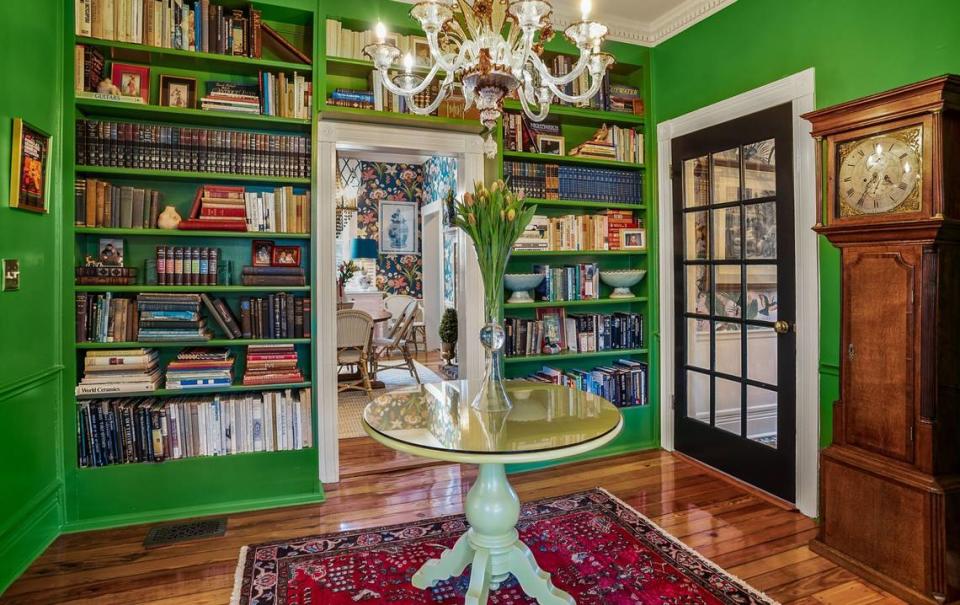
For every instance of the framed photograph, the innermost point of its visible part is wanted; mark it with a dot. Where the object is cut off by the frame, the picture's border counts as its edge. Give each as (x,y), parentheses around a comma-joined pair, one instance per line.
(285,256)
(554,321)
(132,80)
(420,51)
(633,239)
(261,253)
(29,167)
(176,91)
(110,252)
(550,144)
(399,223)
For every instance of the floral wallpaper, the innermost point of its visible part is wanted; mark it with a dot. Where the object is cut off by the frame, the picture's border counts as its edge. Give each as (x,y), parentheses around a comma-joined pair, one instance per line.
(396,273)
(440,177)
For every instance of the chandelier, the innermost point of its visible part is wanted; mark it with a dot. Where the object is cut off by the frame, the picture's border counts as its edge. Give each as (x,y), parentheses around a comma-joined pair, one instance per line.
(490,49)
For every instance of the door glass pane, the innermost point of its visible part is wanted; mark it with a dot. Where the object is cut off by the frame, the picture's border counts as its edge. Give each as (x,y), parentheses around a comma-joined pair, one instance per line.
(727,296)
(726,176)
(761,292)
(762,416)
(698,289)
(728,347)
(697,235)
(762,354)
(698,396)
(726,233)
(698,343)
(696,182)
(761,230)
(728,405)
(760,169)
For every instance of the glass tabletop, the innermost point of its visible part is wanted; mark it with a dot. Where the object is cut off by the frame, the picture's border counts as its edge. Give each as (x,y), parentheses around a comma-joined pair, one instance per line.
(439,416)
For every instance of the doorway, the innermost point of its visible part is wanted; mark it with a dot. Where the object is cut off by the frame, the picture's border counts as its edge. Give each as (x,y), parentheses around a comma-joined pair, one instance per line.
(734,298)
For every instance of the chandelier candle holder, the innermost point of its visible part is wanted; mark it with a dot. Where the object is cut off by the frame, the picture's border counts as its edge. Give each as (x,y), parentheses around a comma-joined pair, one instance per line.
(489,49)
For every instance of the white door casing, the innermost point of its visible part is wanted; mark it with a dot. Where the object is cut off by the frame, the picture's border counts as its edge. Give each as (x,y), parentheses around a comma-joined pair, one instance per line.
(432,233)
(798,90)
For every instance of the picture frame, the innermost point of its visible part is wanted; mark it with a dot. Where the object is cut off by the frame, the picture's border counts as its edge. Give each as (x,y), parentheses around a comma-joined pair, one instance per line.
(132,80)
(554,321)
(285,256)
(110,252)
(399,227)
(29,167)
(633,239)
(178,91)
(420,51)
(261,253)
(551,144)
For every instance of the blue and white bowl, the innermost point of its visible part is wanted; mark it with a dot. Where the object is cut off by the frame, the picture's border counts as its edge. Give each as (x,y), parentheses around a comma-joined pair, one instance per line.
(521,284)
(621,281)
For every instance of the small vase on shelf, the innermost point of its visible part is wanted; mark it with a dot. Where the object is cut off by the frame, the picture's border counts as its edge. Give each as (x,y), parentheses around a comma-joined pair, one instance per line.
(169,218)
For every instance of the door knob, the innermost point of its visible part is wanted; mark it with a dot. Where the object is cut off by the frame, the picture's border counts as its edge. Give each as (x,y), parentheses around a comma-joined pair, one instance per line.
(782,326)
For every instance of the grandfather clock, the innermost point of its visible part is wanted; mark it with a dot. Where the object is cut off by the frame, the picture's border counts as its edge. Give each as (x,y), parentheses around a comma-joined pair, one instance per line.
(890,482)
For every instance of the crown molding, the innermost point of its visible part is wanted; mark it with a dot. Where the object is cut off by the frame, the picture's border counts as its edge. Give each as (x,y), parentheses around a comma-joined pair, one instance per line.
(679,18)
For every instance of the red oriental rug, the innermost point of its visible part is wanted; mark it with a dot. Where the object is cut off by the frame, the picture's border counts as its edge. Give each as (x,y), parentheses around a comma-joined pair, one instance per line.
(596,548)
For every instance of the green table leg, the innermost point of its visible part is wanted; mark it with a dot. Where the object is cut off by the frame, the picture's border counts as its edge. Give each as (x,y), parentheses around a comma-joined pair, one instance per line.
(492,545)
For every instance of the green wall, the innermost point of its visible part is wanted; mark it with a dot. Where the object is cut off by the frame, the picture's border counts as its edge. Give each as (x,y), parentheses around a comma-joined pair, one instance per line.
(31,365)
(857,47)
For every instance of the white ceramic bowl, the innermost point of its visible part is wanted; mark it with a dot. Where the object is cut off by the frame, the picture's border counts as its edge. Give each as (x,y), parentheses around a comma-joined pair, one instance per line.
(622,281)
(521,284)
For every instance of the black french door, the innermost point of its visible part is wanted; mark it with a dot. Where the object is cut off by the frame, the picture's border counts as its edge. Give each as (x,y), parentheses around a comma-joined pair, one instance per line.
(735,406)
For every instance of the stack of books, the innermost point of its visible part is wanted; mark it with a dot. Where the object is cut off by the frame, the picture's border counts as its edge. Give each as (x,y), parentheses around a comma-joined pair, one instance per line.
(617,221)
(624,383)
(272,364)
(231,97)
(119,371)
(569,282)
(200,368)
(276,316)
(165,317)
(286,97)
(103,204)
(102,318)
(217,207)
(624,99)
(621,144)
(273,276)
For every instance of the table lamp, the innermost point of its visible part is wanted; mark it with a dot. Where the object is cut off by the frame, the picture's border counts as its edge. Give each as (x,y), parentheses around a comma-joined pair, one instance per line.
(364,250)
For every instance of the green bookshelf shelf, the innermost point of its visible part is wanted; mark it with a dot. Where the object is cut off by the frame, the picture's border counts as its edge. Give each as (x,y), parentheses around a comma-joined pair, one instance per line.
(166,233)
(237,388)
(345,66)
(540,304)
(216,342)
(212,460)
(391,118)
(97,108)
(185,59)
(536,253)
(567,356)
(183,175)
(582,114)
(578,204)
(567,159)
(192,289)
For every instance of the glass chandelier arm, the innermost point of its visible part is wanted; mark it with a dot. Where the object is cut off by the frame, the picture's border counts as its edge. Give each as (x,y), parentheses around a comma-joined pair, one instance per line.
(433,40)
(397,90)
(445,87)
(575,72)
(543,108)
(595,83)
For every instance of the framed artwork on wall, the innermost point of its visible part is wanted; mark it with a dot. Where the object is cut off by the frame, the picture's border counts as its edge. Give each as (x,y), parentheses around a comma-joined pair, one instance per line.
(29,167)
(399,223)
(176,91)
(132,80)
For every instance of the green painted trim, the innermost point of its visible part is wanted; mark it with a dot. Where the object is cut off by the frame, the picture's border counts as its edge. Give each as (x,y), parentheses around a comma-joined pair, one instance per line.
(183,175)
(574,114)
(392,118)
(568,159)
(185,512)
(213,289)
(562,356)
(165,233)
(27,534)
(237,388)
(19,385)
(179,115)
(575,303)
(216,342)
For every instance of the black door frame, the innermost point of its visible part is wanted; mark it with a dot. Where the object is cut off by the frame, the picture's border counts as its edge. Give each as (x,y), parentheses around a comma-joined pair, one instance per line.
(773,470)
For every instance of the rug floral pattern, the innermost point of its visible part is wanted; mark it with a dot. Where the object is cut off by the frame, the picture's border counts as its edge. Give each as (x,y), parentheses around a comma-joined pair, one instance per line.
(596,548)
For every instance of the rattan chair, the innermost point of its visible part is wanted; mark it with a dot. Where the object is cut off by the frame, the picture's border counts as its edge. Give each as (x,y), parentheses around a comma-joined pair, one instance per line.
(418,331)
(354,328)
(396,304)
(397,342)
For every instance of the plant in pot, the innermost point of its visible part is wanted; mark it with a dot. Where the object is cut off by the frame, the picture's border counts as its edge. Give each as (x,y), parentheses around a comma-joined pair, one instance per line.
(448,335)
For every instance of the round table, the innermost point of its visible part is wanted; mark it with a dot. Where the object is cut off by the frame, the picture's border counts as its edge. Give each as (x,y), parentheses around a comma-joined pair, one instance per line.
(546,422)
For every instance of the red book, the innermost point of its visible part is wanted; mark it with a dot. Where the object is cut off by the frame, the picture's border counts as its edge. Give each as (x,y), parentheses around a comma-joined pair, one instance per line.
(214,225)
(223,191)
(273,378)
(238,212)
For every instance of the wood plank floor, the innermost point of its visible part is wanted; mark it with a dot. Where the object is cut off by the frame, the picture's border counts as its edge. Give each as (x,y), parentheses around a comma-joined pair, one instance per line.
(753,538)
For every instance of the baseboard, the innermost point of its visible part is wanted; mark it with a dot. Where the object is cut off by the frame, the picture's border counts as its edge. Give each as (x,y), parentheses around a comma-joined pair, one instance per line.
(29,533)
(189,512)
(605,452)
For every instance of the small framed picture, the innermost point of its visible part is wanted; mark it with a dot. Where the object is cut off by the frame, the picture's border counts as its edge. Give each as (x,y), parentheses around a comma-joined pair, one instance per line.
(176,91)
(399,223)
(550,144)
(421,52)
(29,167)
(261,253)
(554,323)
(111,252)
(285,256)
(133,80)
(633,239)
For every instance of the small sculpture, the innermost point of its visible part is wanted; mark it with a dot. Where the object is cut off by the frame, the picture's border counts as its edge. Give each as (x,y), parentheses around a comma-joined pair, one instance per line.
(168,219)
(107,87)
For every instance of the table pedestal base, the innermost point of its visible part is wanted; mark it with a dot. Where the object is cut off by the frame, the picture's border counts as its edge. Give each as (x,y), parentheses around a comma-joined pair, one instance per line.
(492,546)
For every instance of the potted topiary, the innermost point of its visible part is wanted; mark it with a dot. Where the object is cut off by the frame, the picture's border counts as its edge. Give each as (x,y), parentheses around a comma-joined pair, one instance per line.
(448,335)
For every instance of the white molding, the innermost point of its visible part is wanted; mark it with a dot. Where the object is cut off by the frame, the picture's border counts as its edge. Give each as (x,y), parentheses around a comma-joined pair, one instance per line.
(331,137)
(798,90)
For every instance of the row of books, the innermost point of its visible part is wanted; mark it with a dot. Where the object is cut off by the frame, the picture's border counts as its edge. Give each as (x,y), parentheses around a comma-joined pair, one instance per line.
(272,364)
(171,317)
(599,231)
(621,144)
(103,318)
(273,276)
(624,382)
(575,333)
(119,371)
(99,203)
(569,282)
(346,43)
(561,182)
(193,25)
(124,431)
(200,368)
(275,316)
(278,95)
(88,64)
(157,147)
(521,133)
(187,265)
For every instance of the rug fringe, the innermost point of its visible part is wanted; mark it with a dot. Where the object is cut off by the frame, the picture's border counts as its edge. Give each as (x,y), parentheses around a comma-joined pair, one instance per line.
(756,593)
(238,576)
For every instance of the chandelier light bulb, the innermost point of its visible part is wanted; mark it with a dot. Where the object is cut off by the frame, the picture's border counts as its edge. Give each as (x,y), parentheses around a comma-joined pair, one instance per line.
(381,32)
(584,9)
(408,63)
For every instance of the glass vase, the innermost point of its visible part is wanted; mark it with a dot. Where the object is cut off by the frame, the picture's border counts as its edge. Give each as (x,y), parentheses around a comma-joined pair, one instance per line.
(492,396)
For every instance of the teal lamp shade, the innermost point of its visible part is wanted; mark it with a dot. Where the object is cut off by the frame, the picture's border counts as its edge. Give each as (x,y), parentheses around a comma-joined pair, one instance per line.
(362,247)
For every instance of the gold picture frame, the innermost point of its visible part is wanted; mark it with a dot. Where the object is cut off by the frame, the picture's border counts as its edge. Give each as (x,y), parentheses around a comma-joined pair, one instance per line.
(29,167)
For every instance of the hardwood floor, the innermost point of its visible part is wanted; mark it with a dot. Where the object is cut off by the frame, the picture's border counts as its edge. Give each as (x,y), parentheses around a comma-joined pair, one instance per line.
(751,537)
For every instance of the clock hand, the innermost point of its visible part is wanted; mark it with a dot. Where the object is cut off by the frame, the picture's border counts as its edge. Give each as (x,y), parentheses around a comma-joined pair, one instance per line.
(865,187)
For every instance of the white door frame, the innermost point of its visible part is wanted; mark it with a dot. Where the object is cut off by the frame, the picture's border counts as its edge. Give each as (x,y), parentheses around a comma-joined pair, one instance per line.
(432,233)
(331,136)
(798,90)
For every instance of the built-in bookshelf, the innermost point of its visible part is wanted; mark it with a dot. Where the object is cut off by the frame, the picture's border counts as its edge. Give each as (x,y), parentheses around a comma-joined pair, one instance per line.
(267,475)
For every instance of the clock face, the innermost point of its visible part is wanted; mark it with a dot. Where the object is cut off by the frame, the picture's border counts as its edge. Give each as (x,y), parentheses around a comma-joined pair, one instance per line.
(881,173)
